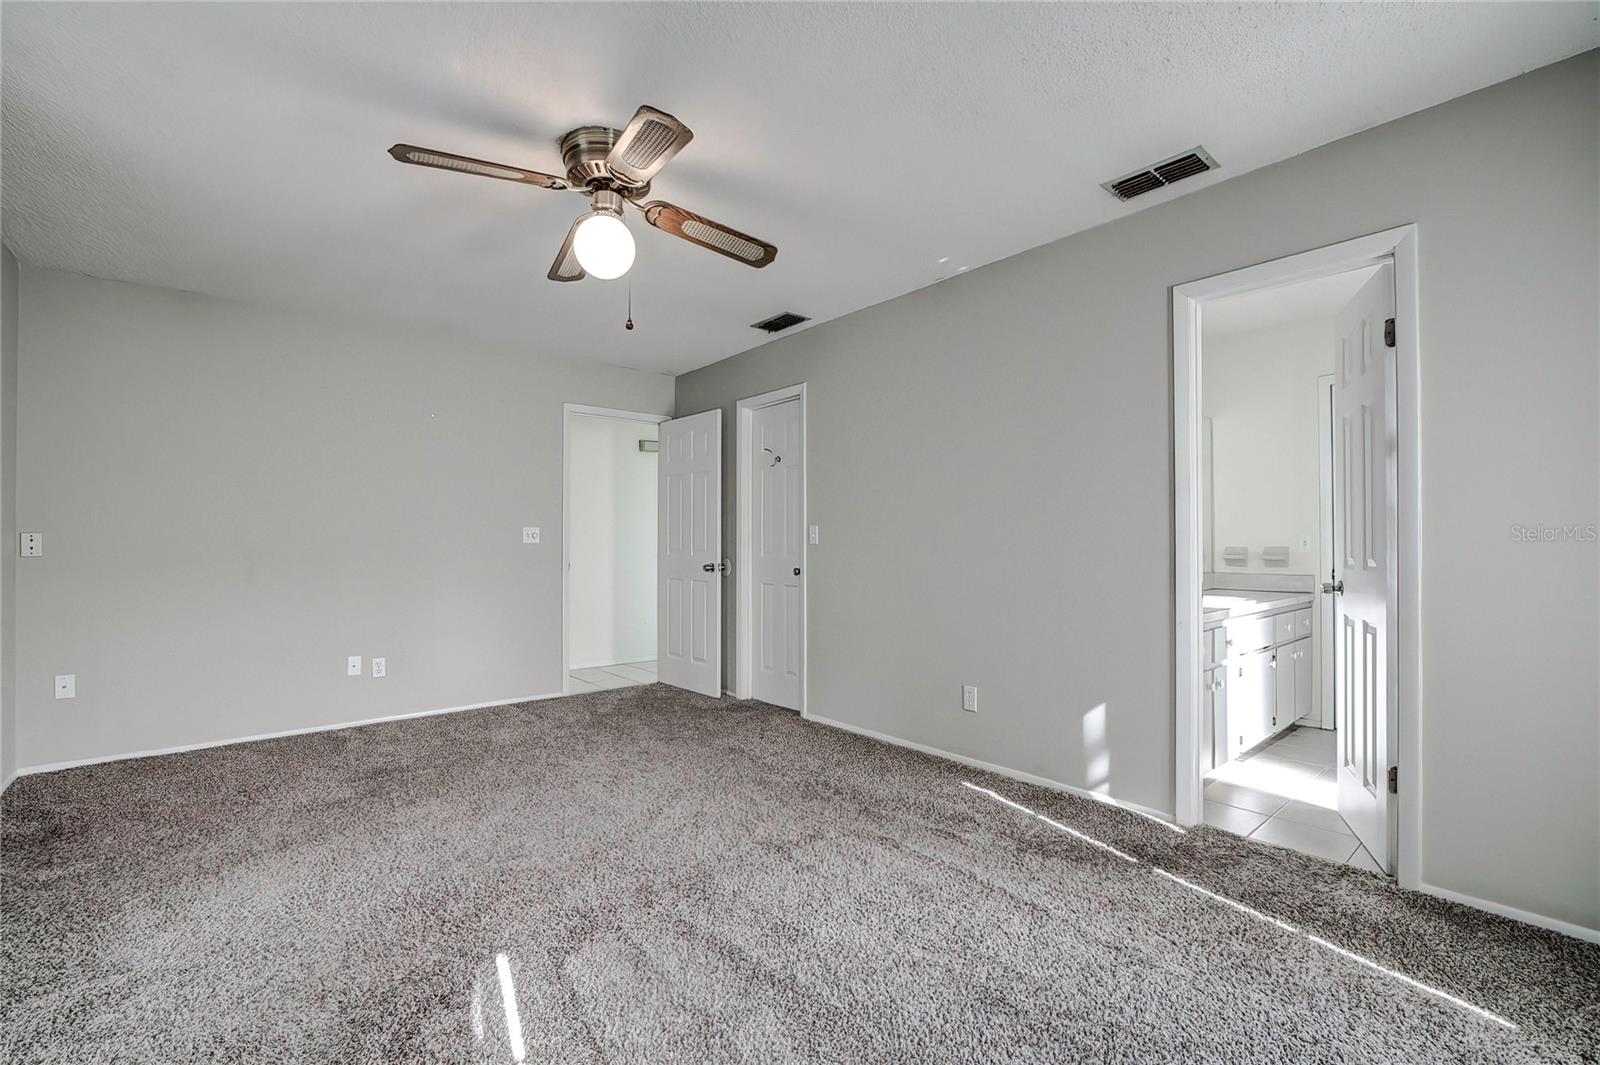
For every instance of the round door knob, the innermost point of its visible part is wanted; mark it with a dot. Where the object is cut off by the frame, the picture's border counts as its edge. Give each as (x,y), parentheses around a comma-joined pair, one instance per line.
(710,567)
(797,571)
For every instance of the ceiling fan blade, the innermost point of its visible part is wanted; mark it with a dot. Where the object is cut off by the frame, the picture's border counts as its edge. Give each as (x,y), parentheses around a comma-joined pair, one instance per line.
(461,164)
(708,234)
(651,139)
(566,266)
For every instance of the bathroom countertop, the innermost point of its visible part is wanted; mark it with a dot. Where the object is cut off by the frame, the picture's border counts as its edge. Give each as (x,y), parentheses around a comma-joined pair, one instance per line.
(1223,603)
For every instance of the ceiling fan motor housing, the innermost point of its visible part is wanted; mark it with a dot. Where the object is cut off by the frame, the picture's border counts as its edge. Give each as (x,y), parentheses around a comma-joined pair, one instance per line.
(584,151)
(607,202)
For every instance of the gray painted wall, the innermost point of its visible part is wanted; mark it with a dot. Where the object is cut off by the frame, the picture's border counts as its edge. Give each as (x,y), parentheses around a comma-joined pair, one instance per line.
(990,465)
(8,513)
(234,499)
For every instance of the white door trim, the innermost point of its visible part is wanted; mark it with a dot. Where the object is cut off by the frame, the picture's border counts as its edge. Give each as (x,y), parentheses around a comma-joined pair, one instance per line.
(1321,614)
(570,411)
(744,588)
(1400,246)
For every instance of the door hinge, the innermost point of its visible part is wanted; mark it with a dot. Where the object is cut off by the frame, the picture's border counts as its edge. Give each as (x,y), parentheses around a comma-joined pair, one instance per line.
(1394,780)
(1388,332)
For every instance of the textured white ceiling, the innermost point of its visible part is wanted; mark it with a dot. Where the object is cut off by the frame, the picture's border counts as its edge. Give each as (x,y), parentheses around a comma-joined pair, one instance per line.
(239,149)
(1321,297)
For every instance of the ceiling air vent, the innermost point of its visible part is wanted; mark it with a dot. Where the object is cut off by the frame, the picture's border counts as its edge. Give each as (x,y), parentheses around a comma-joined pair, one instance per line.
(779,322)
(1186,164)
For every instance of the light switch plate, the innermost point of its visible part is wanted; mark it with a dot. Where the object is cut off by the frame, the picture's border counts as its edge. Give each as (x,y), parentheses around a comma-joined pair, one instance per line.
(1305,542)
(67,686)
(352,666)
(969,698)
(530,534)
(814,537)
(380,668)
(30,544)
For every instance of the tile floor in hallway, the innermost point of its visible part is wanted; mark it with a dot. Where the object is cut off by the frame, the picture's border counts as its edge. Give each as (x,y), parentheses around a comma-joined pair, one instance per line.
(597,678)
(1285,793)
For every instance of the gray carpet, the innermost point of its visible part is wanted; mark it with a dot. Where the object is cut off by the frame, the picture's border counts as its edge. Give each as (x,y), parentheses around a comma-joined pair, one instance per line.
(657,877)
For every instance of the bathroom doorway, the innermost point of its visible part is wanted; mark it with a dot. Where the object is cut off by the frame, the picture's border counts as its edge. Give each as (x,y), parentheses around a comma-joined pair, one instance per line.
(1289,524)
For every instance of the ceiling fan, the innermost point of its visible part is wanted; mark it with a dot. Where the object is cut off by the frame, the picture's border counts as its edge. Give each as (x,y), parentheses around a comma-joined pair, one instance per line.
(612,168)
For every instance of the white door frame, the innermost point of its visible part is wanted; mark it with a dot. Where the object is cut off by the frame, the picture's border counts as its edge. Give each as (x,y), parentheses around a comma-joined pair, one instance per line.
(1322,627)
(570,411)
(1400,246)
(744,588)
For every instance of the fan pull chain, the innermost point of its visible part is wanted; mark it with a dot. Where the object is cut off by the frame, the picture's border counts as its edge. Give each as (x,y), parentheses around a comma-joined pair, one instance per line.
(629,323)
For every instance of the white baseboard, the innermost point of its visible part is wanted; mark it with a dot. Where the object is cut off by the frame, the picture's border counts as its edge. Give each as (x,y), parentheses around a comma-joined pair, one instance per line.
(101,759)
(607,665)
(1165,820)
(1576,931)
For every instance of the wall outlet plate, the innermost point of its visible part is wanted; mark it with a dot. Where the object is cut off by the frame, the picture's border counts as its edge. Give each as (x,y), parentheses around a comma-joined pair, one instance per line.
(67,686)
(30,544)
(352,666)
(530,534)
(815,536)
(380,667)
(969,698)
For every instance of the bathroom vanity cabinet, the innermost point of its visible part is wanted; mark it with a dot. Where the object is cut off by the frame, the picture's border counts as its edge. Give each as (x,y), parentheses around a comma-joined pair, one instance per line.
(1258,671)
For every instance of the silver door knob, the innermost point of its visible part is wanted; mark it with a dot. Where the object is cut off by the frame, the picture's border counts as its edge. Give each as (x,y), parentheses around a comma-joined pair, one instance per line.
(1333,587)
(710,567)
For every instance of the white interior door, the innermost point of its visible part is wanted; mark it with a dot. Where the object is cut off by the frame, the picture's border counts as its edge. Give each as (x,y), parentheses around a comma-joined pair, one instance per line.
(1364,504)
(688,569)
(777,484)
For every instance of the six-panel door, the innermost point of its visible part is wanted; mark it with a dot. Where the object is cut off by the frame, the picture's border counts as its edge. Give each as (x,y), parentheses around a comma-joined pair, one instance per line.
(689,554)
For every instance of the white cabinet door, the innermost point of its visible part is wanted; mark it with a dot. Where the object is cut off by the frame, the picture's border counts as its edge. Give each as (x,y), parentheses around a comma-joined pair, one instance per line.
(1300,652)
(1282,689)
(689,575)
(1250,700)
(1215,751)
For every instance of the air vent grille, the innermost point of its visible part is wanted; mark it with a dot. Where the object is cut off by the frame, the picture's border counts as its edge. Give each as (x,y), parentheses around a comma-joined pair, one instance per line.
(779,322)
(1186,164)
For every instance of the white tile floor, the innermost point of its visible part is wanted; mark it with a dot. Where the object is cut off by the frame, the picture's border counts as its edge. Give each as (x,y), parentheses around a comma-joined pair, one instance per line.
(1285,793)
(598,678)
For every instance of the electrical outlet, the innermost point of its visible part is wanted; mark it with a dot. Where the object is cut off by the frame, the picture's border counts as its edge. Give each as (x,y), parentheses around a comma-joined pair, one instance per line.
(352,666)
(969,698)
(815,537)
(67,686)
(530,534)
(30,545)
(1305,542)
(380,668)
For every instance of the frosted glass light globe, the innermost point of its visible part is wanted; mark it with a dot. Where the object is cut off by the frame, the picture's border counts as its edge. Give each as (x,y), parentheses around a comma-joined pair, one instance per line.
(604,246)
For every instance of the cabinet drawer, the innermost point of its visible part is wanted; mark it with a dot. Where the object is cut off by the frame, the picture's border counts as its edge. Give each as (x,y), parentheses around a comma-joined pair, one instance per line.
(1283,626)
(1247,634)
(1302,623)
